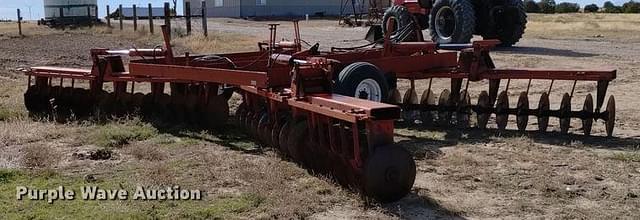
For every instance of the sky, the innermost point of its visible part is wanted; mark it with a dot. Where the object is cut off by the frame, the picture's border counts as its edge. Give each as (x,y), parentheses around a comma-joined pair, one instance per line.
(8,7)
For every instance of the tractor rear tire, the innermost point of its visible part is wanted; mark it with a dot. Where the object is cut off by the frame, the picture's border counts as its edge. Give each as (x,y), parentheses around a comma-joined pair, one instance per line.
(403,19)
(362,80)
(452,21)
(510,24)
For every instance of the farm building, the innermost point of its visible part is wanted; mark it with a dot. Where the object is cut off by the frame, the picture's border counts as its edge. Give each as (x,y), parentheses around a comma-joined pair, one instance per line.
(278,8)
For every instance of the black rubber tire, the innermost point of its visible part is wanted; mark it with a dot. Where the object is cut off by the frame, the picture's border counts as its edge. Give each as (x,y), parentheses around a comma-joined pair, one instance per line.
(389,174)
(403,19)
(464,18)
(349,78)
(510,25)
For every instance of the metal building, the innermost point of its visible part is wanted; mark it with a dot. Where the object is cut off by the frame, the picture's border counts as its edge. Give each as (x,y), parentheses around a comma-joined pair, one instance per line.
(70,12)
(274,8)
(70,8)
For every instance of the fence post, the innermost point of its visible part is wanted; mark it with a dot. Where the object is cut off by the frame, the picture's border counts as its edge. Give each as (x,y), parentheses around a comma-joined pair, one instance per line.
(167,17)
(108,16)
(204,18)
(19,23)
(135,18)
(121,16)
(187,11)
(150,19)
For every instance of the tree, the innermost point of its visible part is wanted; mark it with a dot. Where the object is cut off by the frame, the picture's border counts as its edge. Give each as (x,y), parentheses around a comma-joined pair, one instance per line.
(609,7)
(631,7)
(531,6)
(566,7)
(591,8)
(547,6)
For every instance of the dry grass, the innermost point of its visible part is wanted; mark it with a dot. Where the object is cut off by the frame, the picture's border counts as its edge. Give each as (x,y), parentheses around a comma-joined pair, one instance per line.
(39,156)
(10,30)
(217,43)
(619,27)
(627,156)
(148,152)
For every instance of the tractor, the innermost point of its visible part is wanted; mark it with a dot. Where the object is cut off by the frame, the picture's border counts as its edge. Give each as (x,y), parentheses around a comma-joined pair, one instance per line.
(454,21)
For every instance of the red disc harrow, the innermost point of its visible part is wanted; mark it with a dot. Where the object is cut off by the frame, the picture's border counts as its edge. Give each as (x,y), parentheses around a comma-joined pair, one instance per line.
(332,112)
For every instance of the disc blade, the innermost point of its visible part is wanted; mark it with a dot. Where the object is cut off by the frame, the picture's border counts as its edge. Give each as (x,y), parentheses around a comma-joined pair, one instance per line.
(522,118)
(427,99)
(587,108)
(394,97)
(444,114)
(502,106)
(611,115)
(565,111)
(283,136)
(296,142)
(483,113)
(464,110)
(389,173)
(543,115)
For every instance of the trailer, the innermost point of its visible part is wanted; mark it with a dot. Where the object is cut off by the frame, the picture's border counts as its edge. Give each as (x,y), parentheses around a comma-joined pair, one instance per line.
(332,112)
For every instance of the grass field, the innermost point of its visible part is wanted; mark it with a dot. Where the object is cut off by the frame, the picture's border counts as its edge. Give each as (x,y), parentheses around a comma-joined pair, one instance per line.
(618,27)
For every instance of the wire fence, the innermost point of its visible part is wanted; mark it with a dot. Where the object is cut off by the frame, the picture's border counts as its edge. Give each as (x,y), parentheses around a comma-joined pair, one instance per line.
(141,18)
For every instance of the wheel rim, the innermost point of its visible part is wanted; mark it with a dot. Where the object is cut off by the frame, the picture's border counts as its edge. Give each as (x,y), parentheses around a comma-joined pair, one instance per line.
(395,27)
(445,22)
(369,89)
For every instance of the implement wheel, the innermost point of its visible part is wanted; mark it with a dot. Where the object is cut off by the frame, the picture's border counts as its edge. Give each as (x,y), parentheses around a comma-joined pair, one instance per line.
(362,80)
(389,174)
